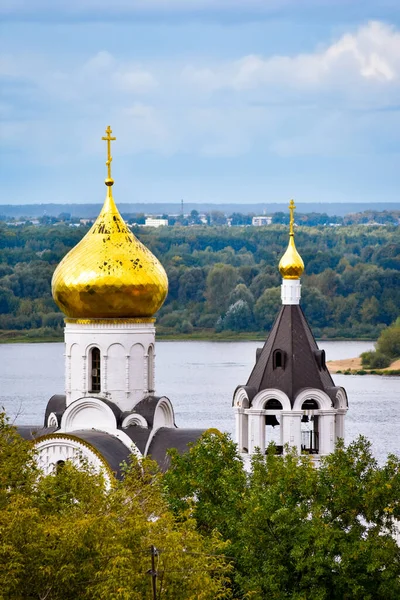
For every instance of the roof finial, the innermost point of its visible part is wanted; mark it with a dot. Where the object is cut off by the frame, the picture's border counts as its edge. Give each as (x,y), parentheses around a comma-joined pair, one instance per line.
(291,210)
(109,181)
(291,264)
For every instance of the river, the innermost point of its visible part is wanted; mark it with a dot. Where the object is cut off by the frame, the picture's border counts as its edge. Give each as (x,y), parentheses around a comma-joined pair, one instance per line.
(200,378)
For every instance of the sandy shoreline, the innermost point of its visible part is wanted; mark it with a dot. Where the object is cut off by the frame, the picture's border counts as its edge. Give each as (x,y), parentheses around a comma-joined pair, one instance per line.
(354,364)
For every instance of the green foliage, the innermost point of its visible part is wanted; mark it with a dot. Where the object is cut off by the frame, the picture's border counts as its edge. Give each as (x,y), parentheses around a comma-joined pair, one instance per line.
(297,531)
(209,481)
(65,536)
(238,317)
(366,358)
(387,348)
(351,285)
(267,307)
(221,281)
(389,341)
(288,530)
(379,361)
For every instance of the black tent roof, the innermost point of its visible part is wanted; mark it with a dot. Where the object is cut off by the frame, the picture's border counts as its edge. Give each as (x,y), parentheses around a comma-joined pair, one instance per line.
(303,364)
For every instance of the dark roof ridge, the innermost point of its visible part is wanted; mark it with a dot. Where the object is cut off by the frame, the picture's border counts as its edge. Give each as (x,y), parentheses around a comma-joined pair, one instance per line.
(256,376)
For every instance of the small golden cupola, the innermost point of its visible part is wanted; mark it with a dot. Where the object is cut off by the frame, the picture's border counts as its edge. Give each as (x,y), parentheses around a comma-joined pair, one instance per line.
(291,265)
(109,273)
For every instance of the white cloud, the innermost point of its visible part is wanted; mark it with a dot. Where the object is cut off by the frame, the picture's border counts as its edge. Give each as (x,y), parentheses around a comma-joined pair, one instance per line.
(290,105)
(134,80)
(371,54)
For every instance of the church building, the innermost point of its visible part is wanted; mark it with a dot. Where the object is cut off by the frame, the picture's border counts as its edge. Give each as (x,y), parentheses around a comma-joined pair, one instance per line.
(109,286)
(290,385)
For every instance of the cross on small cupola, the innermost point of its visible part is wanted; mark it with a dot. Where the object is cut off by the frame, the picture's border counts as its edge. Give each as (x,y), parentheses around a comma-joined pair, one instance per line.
(291,210)
(109,139)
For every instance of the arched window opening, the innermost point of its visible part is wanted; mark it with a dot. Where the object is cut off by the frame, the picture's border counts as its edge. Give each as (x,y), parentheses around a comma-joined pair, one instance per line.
(310,427)
(273,424)
(273,404)
(95,381)
(278,359)
(310,404)
(60,465)
(150,370)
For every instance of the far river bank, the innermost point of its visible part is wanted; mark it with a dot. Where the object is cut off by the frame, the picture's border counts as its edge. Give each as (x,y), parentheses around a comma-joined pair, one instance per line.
(33,337)
(353,366)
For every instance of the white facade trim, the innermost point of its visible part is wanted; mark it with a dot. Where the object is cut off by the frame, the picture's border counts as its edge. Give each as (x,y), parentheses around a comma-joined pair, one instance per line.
(241,399)
(290,291)
(134,419)
(322,399)
(259,401)
(341,399)
(163,417)
(50,451)
(52,420)
(88,413)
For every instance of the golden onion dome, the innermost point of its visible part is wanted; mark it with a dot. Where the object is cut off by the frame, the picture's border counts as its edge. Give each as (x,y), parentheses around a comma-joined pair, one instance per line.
(291,265)
(109,273)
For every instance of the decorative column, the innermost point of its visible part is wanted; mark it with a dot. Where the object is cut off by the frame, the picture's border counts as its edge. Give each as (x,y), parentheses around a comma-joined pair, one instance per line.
(327,431)
(339,422)
(84,374)
(103,372)
(68,377)
(291,429)
(127,375)
(242,433)
(257,430)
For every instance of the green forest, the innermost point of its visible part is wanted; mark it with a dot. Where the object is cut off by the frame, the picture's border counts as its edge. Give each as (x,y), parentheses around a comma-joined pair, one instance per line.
(223,281)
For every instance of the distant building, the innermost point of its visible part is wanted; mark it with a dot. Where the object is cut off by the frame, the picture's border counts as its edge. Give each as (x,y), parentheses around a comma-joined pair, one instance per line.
(260,221)
(151,222)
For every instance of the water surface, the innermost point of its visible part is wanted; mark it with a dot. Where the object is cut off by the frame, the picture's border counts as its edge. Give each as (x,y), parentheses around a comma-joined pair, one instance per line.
(200,379)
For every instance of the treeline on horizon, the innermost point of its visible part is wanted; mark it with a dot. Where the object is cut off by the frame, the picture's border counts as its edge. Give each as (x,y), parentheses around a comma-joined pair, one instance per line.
(86,210)
(221,279)
(217,217)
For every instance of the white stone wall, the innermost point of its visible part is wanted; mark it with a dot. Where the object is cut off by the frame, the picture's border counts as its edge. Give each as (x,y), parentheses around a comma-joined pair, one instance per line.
(127,360)
(290,291)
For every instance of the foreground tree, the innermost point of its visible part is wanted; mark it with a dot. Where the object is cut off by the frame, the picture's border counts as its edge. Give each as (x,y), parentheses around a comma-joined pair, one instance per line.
(296,531)
(65,537)
(286,531)
(325,533)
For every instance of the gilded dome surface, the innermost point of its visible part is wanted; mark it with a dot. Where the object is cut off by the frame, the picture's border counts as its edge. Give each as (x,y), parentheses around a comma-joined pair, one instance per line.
(109,273)
(291,265)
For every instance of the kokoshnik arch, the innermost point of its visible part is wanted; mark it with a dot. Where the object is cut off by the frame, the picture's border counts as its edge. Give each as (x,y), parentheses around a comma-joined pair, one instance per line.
(109,286)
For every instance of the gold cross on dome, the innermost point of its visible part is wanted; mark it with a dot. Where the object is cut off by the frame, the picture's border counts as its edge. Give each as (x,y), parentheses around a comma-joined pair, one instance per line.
(291,210)
(109,139)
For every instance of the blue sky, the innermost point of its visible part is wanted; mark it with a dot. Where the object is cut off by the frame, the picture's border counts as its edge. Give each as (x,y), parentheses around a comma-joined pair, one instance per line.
(210,100)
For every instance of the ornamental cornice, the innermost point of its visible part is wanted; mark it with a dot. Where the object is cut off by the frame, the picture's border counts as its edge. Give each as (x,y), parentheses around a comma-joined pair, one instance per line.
(85,325)
(40,443)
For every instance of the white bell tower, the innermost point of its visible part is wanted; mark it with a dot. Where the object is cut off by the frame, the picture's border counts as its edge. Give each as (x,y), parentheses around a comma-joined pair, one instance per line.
(290,385)
(110,358)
